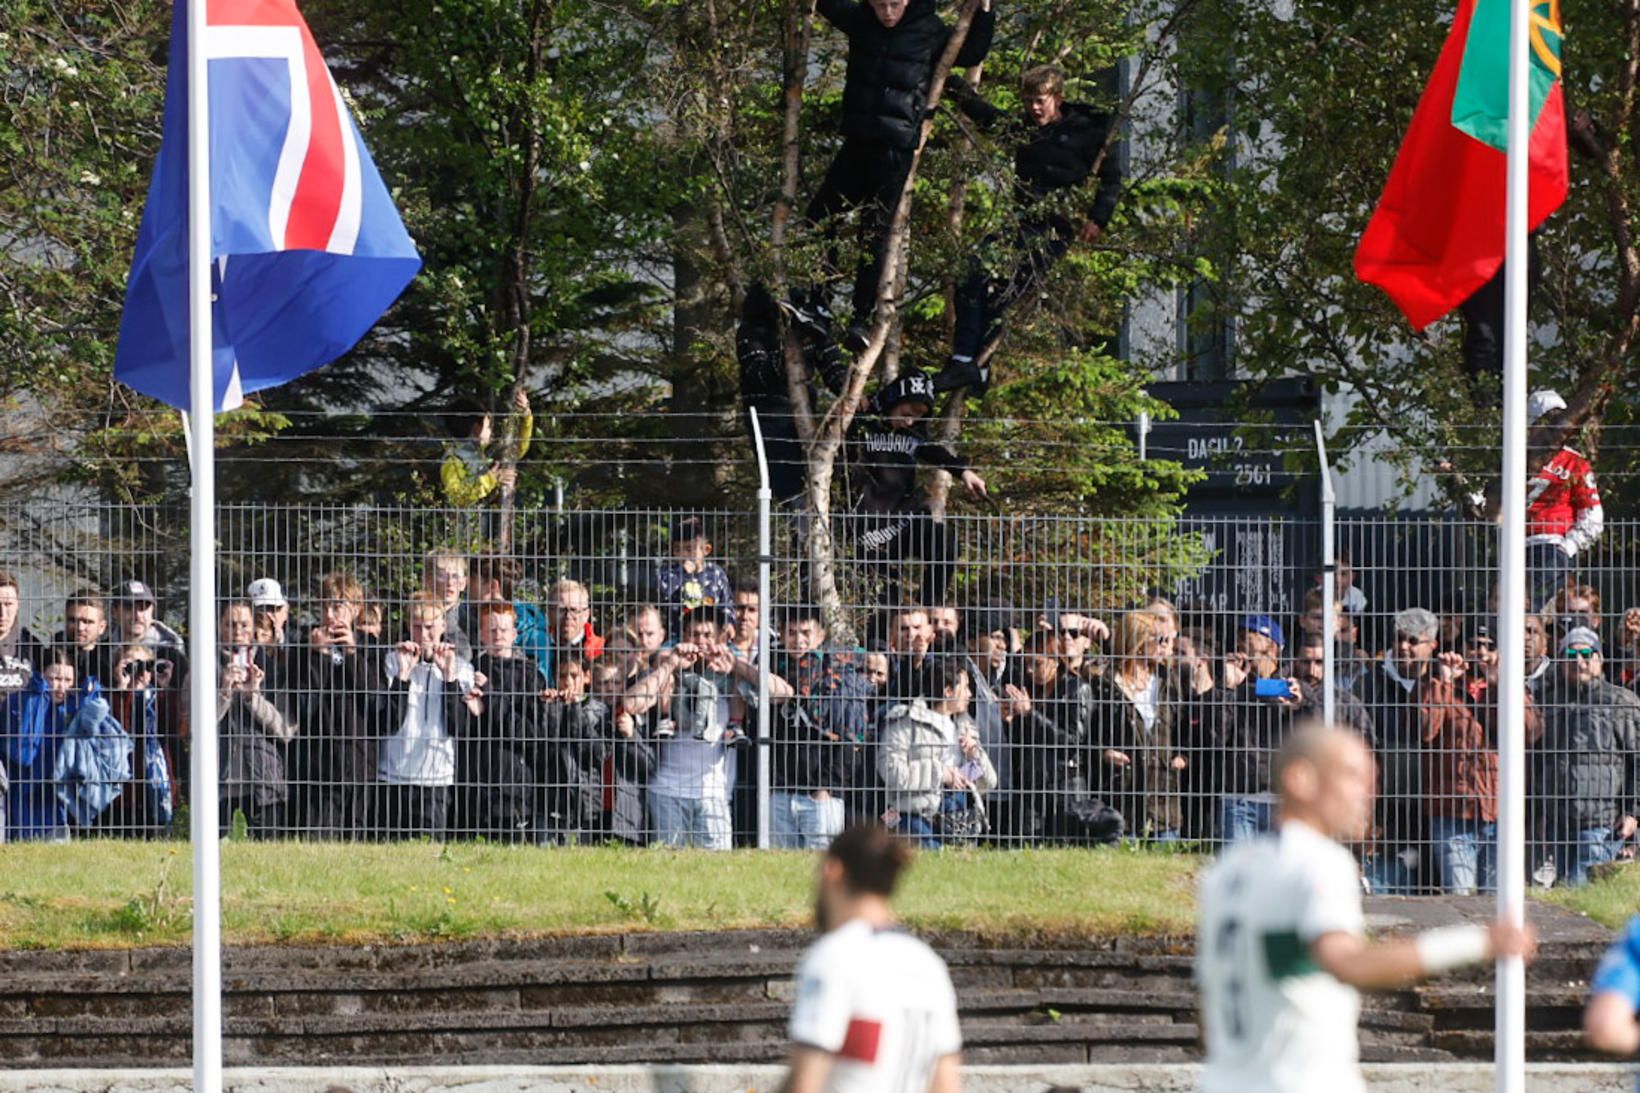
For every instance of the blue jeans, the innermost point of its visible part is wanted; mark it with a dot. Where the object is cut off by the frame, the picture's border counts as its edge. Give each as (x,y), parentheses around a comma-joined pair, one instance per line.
(919,830)
(1576,851)
(1244,817)
(798,822)
(1387,874)
(689,821)
(1547,568)
(1466,854)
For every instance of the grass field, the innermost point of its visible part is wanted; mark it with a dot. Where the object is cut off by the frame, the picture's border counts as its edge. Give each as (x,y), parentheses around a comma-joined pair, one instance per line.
(1611,901)
(111,894)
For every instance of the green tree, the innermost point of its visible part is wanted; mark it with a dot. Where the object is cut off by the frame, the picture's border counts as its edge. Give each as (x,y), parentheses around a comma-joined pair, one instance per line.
(1323,91)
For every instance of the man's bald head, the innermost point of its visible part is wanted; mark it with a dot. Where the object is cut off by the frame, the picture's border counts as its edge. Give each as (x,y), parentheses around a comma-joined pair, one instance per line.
(1326,778)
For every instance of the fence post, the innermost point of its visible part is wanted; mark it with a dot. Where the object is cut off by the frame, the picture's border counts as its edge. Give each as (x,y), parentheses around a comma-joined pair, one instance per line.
(1329,586)
(765,617)
(1144,435)
(1509,1036)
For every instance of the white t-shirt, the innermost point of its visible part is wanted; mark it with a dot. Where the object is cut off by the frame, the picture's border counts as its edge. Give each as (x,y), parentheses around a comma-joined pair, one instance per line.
(421,752)
(881,1003)
(691,769)
(1277,1023)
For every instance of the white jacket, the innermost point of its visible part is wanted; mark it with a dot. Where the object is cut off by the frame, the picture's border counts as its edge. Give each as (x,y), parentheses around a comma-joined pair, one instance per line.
(916,748)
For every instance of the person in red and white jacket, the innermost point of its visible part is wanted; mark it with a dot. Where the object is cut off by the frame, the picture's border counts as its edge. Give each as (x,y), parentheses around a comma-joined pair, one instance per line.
(1563,513)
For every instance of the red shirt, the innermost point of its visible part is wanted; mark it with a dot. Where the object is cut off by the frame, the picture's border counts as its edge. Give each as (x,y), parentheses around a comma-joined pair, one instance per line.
(1563,503)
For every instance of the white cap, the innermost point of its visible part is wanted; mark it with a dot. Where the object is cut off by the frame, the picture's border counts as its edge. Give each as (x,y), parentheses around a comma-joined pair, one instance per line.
(1543,402)
(265,592)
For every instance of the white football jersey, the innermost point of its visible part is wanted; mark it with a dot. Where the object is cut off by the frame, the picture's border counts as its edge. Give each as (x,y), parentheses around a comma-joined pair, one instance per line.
(880,1002)
(1277,1023)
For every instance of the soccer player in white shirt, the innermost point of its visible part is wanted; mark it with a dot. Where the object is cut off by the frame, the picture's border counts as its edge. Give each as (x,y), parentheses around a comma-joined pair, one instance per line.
(1280,949)
(875,1010)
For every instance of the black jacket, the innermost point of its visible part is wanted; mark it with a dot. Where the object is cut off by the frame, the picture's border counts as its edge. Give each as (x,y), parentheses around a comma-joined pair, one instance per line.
(340,695)
(1591,756)
(886,93)
(1051,743)
(762,358)
(1247,731)
(883,463)
(501,766)
(629,761)
(1397,742)
(1057,156)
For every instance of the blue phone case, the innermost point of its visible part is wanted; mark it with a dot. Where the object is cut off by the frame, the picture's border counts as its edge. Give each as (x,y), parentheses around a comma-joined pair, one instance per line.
(1271,688)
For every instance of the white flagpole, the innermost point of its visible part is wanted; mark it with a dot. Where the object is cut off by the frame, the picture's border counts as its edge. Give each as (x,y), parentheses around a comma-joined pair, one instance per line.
(202,581)
(1510,1032)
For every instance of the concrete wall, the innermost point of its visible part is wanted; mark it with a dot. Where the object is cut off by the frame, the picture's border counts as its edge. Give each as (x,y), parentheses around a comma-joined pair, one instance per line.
(1383,1078)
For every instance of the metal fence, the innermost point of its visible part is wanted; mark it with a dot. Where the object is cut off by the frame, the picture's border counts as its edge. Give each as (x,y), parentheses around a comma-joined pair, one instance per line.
(1068,681)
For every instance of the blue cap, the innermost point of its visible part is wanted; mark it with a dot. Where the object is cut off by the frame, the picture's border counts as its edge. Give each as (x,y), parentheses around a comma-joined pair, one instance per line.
(1265,625)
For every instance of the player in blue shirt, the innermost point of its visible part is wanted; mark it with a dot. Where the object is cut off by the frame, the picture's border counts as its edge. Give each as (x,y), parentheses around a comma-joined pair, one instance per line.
(1609,1021)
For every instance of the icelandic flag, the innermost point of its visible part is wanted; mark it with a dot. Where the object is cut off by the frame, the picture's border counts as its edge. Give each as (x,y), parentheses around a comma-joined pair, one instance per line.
(307,248)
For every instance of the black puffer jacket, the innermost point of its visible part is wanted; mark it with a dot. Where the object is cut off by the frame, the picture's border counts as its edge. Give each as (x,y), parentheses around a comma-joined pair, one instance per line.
(1057,156)
(886,94)
(1062,154)
(1591,755)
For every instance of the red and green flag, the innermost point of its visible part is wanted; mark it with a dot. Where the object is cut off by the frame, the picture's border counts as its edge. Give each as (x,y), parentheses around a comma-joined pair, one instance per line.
(1437,234)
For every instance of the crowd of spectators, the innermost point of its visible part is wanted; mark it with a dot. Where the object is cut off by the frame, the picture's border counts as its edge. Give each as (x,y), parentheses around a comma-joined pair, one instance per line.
(469,711)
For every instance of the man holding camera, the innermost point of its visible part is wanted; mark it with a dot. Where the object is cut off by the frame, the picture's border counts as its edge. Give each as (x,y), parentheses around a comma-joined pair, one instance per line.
(818,733)
(1255,713)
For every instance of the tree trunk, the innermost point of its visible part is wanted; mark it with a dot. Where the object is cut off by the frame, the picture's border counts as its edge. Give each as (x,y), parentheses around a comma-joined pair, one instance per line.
(827,442)
(518,309)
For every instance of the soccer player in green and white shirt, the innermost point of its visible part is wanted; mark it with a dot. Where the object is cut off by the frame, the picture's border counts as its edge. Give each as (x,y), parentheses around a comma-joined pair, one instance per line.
(1280,948)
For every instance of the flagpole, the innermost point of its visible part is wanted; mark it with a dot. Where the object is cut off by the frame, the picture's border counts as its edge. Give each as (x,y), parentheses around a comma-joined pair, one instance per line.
(1510,1033)
(202,579)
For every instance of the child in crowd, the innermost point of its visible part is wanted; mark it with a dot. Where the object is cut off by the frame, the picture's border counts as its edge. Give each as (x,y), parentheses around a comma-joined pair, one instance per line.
(66,755)
(334,759)
(470,471)
(444,578)
(254,725)
(612,762)
(689,581)
(502,767)
(369,621)
(431,688)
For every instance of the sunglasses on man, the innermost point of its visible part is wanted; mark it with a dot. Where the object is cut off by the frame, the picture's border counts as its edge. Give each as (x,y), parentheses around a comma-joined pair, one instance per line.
(1580,652)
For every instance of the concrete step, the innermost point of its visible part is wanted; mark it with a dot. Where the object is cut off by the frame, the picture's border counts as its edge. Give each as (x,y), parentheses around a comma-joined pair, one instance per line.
(1552,1044)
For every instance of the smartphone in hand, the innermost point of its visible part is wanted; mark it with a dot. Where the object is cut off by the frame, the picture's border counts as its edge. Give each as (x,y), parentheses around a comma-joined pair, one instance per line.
(1272,688)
